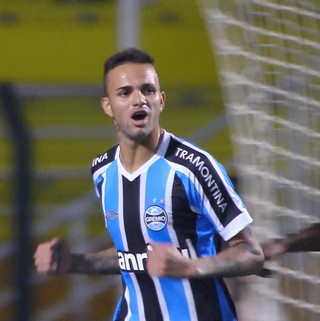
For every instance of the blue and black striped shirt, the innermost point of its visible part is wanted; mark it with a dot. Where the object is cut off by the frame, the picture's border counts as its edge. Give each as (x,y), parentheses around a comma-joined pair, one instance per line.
(181,196)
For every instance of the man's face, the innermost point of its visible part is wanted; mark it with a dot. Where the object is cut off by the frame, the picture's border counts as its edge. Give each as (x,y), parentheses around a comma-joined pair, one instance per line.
(134,100)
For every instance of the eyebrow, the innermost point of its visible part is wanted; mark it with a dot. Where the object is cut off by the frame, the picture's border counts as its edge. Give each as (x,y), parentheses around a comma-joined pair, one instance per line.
(123,87)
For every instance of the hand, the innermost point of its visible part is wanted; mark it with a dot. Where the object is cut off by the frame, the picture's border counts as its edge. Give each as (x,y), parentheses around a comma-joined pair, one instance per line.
(52,257)
(273,249)
(265,273)
(165,260)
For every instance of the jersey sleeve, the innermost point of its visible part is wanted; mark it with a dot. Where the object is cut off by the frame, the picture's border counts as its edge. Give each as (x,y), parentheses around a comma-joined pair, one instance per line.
(99,166)
(224,206)
(209,189)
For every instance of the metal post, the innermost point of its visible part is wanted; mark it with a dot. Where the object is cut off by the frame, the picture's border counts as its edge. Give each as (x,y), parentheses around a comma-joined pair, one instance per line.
(128,23)
(21,159)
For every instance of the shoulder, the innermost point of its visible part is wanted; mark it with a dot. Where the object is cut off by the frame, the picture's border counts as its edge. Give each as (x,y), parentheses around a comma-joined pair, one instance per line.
(187,154)
(195,162)
(103,159)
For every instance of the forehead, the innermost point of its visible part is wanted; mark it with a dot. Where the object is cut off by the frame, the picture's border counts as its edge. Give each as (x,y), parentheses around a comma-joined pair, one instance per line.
(132,74)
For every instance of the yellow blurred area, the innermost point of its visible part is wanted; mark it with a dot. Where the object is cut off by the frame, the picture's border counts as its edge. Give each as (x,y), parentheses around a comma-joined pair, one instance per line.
(56,42)
(66,42)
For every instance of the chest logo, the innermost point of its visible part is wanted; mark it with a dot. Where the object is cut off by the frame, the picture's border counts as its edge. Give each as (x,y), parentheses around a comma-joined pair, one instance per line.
(155,218)
(111,215)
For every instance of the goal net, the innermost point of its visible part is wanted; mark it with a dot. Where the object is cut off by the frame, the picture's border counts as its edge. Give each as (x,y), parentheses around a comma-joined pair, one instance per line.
(268,54)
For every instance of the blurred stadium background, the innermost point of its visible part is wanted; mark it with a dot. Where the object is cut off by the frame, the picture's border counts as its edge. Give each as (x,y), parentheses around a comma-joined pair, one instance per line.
(51,59)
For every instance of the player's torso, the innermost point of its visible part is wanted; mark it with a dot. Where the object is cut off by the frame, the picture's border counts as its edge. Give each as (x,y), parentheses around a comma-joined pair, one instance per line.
(151,204)
(159,202)
(154,205)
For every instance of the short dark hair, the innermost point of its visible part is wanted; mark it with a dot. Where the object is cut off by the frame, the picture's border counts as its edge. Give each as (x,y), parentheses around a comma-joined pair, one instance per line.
(129,55)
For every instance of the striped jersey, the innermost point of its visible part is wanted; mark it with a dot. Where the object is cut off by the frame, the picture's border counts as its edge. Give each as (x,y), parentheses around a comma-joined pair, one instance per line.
(181,196)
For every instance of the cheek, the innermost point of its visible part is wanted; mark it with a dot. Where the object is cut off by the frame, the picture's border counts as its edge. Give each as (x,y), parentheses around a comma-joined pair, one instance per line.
(120,115)
(118,108)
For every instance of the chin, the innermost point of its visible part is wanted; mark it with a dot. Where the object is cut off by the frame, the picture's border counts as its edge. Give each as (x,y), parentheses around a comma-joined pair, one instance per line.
(142,134)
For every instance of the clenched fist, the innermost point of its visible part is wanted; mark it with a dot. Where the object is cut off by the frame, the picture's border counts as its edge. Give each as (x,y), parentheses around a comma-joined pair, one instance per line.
(52,257)
(166,260)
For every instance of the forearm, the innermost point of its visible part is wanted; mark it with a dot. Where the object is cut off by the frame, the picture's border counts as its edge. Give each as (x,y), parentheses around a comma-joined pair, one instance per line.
(104,262)
(306,240)
(239,260)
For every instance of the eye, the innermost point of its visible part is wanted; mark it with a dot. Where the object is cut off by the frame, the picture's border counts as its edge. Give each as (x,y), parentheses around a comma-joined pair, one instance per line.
(123,93)
(148,90)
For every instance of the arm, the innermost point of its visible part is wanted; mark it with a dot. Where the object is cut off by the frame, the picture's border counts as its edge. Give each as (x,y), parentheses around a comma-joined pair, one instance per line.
(305,240)
(243,257)
(54,257)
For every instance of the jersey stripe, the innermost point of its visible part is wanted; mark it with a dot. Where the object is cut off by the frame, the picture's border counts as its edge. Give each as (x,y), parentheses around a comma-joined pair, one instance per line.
(228,311)
(149,307)
(143,205)
(162,174)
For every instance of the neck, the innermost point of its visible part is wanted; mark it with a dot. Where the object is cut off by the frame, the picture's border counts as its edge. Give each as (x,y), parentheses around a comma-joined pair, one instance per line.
(134,154)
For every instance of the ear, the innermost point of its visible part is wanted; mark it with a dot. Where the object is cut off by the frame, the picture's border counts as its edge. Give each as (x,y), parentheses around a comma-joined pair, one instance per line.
(163,100)
(105,104)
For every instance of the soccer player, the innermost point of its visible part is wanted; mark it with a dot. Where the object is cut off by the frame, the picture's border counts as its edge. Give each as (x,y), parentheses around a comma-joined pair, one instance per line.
(167,204)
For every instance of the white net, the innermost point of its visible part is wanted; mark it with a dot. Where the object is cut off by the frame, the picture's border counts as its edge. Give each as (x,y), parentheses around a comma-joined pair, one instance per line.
(268,53)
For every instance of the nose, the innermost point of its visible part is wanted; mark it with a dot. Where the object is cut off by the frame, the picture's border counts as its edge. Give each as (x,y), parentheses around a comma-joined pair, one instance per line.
(139,98)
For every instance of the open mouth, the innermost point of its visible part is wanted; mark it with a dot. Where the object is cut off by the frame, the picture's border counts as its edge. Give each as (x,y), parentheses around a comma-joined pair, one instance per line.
(139,115)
